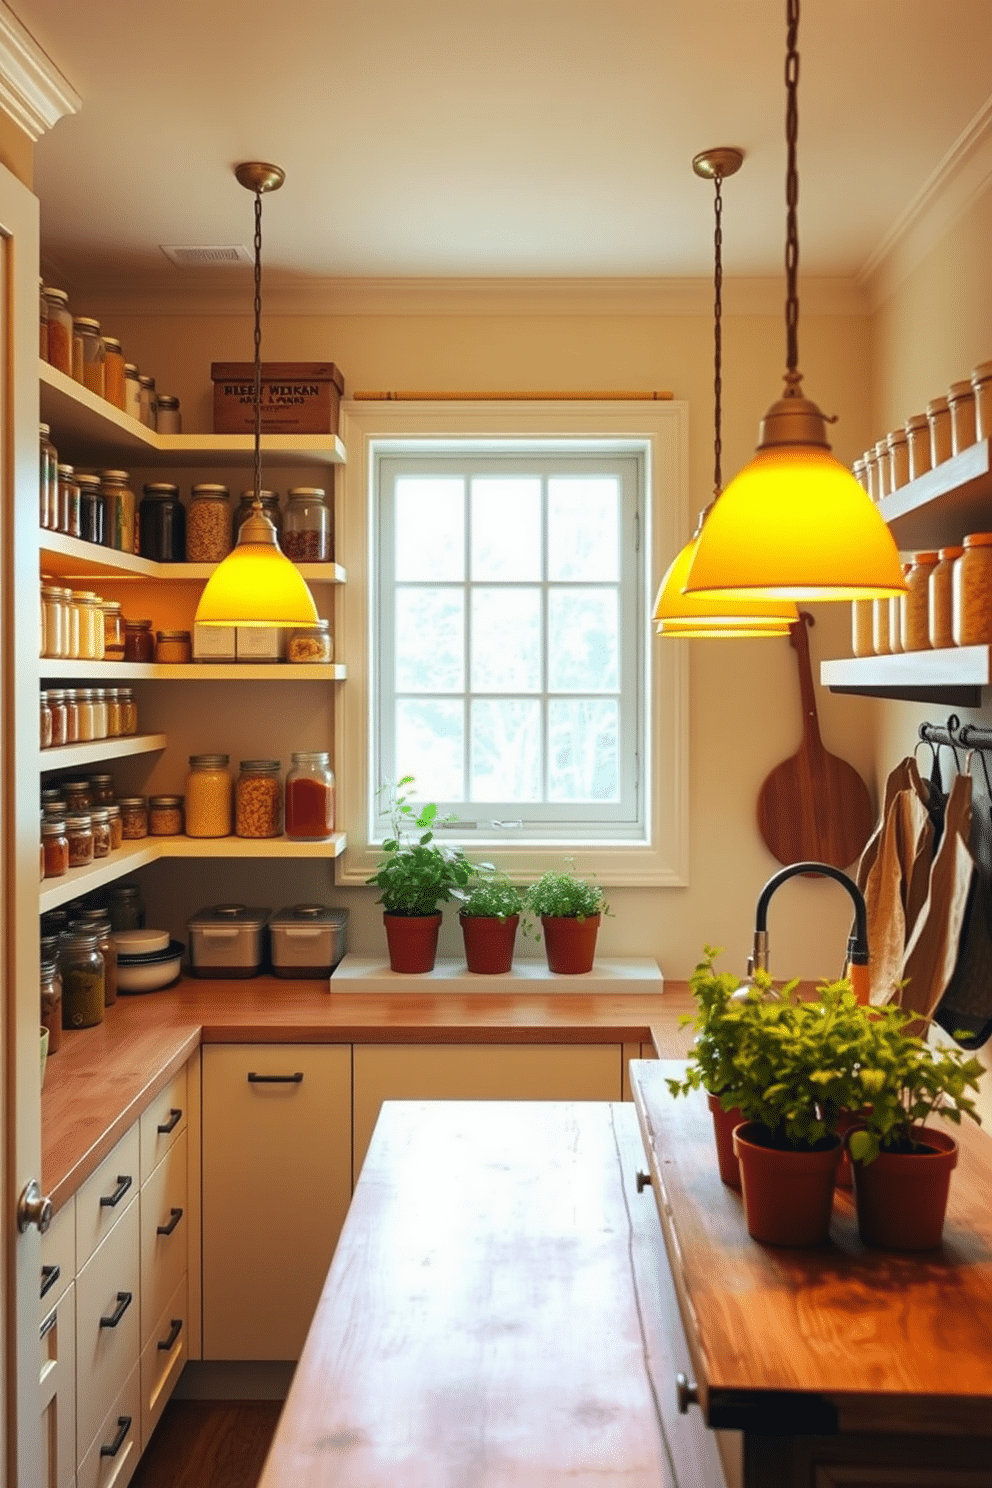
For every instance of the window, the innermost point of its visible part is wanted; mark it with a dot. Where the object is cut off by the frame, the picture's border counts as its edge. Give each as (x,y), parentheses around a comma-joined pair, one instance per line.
(502,562)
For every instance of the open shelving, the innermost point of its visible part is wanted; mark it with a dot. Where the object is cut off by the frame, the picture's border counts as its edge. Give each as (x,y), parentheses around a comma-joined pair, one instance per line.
(99,672)
(70,558)
(77,756)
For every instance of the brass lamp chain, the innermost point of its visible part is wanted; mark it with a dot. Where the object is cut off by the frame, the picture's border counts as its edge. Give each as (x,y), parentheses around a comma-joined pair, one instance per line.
(717,332)
(793,377)
(257,503)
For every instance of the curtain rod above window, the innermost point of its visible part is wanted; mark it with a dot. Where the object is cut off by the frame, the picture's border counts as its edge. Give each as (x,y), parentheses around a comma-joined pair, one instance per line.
(558,395)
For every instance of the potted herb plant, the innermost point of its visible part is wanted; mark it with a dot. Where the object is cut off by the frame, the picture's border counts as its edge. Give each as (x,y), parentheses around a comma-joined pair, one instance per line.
(489,916)
(719,1024)
(570,909)
(415,877)
(902,1167)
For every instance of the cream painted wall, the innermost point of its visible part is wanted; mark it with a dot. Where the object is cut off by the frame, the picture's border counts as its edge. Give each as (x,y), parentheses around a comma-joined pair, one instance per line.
(745,714)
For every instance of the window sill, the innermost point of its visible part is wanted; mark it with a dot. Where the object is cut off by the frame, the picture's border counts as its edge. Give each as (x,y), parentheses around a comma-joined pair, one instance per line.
(622,974)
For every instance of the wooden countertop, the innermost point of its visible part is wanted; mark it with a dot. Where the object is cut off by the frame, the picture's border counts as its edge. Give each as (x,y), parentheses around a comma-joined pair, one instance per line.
(840,1337)
(102,1078)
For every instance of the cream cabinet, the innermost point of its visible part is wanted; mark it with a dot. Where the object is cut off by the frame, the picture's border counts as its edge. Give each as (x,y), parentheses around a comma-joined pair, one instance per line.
(276,1188)
(57,1350)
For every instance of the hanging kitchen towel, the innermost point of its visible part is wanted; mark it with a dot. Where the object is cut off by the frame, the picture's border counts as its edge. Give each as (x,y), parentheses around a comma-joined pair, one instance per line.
(932,952)
(897,781)
(966,1006)
(894,884)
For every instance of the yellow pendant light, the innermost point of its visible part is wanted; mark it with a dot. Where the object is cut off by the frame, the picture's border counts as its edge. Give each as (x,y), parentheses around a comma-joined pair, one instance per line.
(256,584)
(794,522)
(689,616)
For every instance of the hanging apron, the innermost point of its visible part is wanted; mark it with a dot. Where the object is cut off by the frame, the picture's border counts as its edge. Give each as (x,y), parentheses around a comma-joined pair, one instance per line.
(893,874)
(933,948)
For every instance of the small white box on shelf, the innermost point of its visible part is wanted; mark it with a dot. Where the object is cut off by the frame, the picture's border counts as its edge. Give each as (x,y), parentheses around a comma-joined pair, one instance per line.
(259,643)
(213,643)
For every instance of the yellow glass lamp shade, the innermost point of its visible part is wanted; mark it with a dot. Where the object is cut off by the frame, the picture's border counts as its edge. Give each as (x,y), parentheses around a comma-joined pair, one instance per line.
(256,584)
(727,613)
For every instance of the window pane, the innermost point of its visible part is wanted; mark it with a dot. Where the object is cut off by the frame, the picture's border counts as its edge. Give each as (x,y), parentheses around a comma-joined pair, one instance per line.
(583,763)
(430,528)
(506,528)
(430,640)
(506,750)
(506,640)
(584,528)
(429,746)
(583,640)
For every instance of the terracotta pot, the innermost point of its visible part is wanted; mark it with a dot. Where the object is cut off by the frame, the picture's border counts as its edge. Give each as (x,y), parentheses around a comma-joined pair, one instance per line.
(723,1131)
(412,941)
(570,944)
(489,942)
(788,1195)
(901,1197)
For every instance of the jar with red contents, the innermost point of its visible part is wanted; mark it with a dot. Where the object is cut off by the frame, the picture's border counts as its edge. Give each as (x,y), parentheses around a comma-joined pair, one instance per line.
(309,803)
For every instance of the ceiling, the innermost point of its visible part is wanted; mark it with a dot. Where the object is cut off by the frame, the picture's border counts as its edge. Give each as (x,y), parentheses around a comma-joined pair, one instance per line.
(482,138)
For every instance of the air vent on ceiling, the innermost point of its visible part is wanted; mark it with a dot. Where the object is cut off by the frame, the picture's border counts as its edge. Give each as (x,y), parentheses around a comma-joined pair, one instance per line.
(205,258)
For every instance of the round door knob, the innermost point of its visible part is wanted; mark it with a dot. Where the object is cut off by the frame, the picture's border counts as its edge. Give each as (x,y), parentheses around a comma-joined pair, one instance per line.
(34,1208)
(686,1394)
(643,1180)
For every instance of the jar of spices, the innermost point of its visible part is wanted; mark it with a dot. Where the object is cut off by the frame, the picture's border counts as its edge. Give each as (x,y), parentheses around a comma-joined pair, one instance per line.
(208,533)
(173,646)
(97,922)
(918,444)
(981,381)
(270,508)
(70,516)
(208,796)
(115,721)
(56,705)
(939,419)
(139,643)
(308,534)
(77,794)
(45,724)
(165,816)
(162,523)
(83,980)
(120,520)
(51,1004)
(56,621)
(129,711)
(883,469)
(71,716)
(85,714)
(149,402)
(916,609)
(72,614)
(102,790)
(59,330)
(42,322)
(87,353)
(100,818)
(961,401)
(898,459)
(55,845)
(92,509)
(310,643)
(91,643)
(100,721)
(79,830)
(168,419)
(972,592)
(310,797)
(126,907)
(880,642)
(113,371)
(258,799)
(860,472)
(113,629)
(134,817)
(132,392)
(871,473)
(116,826)
(48,480)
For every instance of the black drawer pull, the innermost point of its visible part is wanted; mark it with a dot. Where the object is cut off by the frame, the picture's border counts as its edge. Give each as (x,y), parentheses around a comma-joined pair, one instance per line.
(174,1119)
(48,1324)
(49,1276)
(254,1079)
(165,1344)
(110,1449)
(167,1229)
(110,1201)
(124,1300)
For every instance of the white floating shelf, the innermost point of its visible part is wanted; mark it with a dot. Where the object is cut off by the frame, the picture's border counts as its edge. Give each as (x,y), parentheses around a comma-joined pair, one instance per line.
(250,847)
(100,672)
(70,558)
(128,857)
(626,975)
(70,756)
(956,675)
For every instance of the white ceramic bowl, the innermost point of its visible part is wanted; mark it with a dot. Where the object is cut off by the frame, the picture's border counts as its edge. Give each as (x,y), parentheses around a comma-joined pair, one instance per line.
(150,972)
(140,942)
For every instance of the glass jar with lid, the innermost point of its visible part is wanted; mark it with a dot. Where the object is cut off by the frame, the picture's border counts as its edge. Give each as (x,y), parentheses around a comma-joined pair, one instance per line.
(85,714)
(258,799)
(310,643)
(70,515)
(972,591)
(102,790)
(120,520)
(51,1003)
(139,643)
(918,442)
(59,330)
(308,532)
(981,381)
(915,612)
(71,716)
(898,459)
(173,646)
(168,419)
(83,979)
(100,713)
(165,816)
(100,817)
(208,530)
(883,468)
(48,480)
(149,400)
(134,817)
(92,508)
(310,797)
(939,419)
(56,620)
(45,723)
(56,704)
(115,721)
(55,845)
(961,402)
(79,830)
(270,507)
(126,907)
(208,796)
(116,826)
(129,710)
(91,644)
(99,926)
(132,391)
(113,629)
(113,371)
(87,353)
(162,523)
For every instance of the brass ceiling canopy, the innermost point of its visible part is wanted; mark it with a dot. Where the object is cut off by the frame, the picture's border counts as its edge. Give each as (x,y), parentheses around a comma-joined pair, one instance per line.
(723,161)
(255,175)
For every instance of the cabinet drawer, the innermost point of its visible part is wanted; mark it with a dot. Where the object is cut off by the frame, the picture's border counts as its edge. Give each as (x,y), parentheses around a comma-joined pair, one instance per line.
(105,1196)
(164,1234)
(163,1123)
(57,1391)
(106,1351)
(116,1447)
(163,1357)
(58,1258)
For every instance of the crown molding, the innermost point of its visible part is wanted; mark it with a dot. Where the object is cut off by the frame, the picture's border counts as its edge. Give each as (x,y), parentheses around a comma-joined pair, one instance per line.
(231,295)
(964,175)
(32,90)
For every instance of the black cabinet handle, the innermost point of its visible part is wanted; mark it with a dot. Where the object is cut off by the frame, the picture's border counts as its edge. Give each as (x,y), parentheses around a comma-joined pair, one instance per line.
(167,1229)
(48,1324)
(254,1079)
(49,1276)
(174,1119)
(124,1300)
(642,1179)
(110,1449)
(110,1201)
(165,1344)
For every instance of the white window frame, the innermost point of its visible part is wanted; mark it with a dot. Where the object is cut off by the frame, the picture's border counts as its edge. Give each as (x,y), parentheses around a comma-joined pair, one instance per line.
(661,858)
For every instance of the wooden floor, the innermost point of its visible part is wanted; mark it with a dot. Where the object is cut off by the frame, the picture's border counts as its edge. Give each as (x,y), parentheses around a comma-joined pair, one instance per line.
(208,1444)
